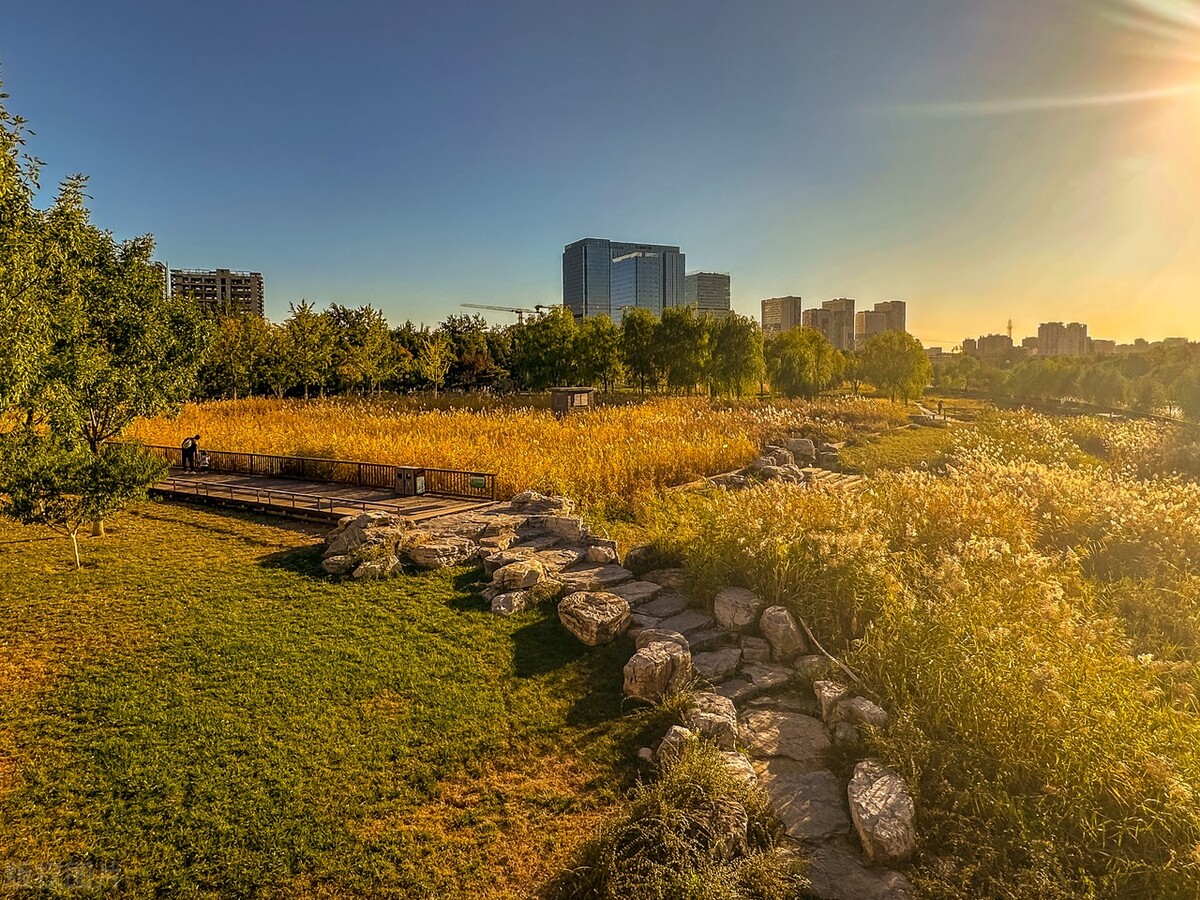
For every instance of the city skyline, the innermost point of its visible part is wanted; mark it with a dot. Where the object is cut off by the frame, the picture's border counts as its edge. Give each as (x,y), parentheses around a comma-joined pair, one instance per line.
(826,152)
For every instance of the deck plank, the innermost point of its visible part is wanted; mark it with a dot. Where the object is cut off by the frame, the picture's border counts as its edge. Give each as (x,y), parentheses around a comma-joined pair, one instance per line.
(310,499)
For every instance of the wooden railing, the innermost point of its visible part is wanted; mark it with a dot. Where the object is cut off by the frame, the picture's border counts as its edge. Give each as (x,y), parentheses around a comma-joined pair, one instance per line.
(438,482)
(295,500)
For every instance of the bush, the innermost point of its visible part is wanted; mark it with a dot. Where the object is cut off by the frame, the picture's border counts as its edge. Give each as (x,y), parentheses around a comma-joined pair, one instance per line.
(669,847)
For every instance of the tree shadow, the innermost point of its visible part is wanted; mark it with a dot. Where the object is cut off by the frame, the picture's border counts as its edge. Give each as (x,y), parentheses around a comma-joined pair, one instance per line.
(304,561)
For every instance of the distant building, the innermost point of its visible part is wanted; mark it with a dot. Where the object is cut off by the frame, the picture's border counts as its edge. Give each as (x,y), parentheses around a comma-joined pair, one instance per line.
(886,316)
(780,314)
(594,269)
(994,345)
(1103,348)
(1030,344)
(970,345)
(835,320)
(1057,339)
(219,289)
(708,292)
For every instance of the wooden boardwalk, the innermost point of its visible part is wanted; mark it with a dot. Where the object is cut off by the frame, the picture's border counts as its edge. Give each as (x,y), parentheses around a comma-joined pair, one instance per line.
(324,501)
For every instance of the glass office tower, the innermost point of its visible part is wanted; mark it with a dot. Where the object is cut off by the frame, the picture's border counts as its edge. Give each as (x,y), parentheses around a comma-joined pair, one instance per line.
(602,277)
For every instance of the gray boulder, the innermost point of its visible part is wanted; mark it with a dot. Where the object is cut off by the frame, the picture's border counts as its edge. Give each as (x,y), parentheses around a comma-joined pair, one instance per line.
(780,629)
(756,651)
(442,552)
(883,813)
(811,805)
(510,602)
(861,711)
(653,635)
(829,694)
(671,579)
(519,575)
(714,717)
(717,664)
(657,670)
(736,608)
(837,874)
(774,732)
(594,617)
(376,568)
(671,747)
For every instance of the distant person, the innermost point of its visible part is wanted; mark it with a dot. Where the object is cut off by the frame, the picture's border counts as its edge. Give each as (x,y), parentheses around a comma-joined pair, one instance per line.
(189,447)
(941,414)
(205,462)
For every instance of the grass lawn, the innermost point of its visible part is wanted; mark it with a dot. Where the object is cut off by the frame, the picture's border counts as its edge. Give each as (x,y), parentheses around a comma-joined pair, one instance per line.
(907,448)
(200,713)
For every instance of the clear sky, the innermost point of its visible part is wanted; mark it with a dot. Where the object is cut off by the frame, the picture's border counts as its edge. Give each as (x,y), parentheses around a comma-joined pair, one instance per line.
(981,159)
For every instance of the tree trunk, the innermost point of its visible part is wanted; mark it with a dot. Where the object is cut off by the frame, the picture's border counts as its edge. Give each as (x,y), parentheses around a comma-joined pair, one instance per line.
(75,547)
(98,528)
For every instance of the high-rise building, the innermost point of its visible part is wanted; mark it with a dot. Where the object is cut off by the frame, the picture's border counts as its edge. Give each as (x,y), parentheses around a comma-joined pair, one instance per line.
(708,292)
(886,316)
(1057,339)
(835,320)
(989,345)
(780,314)
(595,268)
(219,289)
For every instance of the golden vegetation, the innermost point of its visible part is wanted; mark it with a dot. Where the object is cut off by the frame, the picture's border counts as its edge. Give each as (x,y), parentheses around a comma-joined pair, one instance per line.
(606,459)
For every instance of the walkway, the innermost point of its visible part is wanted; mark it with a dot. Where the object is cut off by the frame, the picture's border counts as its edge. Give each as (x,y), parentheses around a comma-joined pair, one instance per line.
(324,501)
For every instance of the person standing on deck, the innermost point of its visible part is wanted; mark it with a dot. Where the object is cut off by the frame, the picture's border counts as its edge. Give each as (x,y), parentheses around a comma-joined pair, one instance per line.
(189,448)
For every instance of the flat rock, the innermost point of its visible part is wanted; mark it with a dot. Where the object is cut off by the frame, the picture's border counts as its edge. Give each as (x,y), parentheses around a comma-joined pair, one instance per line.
(519,575)
(639,624)
(767,678)
(810,805)
(739,767)
(736,689)
(687,621)
(666,605)
(561,558)
(775,732)
(509,602)
(442,553)
(707,639)
(756,651)
(650,635)
(594,617)
(789,702)
(717,664)
(671,579)
(595,578)
(498,559)
(837,874)
(638,592)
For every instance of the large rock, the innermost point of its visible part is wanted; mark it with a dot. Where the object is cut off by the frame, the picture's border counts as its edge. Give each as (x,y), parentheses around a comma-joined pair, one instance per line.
(510,602)
(352,531)
(594,617)
(829,694)
(595,577)
(714,717)
(739,767)
(377,568)
(802,449)
(717,664)
(442,552)
(603,555)
(338,565)
(736,608)
(498,559)
(810,805)
(756,651)
(837,874)
(781,631)
(568,528)
(773,732)
(651,635)
(883,813)
(520,575)
(657,670)
(861,711)
(671,747)
(560,558)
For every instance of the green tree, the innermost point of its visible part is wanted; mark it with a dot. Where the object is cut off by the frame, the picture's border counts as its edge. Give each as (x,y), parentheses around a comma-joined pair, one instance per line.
(311,337)
(50,481)
(682,347)
(737,363)
(434,359)
(639,345)
(801,362)
(598,352)
(278,366)
(363,348)
(235,359)
(544,349)
(896,363)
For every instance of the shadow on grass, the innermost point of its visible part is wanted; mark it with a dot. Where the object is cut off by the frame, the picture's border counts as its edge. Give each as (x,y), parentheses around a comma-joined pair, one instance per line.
(304,561)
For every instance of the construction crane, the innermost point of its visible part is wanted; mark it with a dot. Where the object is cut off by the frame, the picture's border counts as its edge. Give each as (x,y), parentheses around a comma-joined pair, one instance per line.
(521,311)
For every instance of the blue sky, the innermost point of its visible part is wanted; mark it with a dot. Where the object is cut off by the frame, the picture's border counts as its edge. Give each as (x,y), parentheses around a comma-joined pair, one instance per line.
(973,157)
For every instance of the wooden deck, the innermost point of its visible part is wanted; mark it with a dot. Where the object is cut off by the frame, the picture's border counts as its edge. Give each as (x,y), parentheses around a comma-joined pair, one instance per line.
(323,501)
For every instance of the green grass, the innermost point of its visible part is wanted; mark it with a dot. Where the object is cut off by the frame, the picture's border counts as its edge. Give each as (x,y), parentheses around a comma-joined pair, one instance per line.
(200,713)
(906,448)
